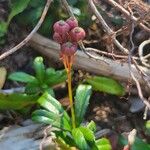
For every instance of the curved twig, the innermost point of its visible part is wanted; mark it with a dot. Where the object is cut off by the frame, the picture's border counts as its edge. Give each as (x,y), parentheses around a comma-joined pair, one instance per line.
(21,44)
(144,59)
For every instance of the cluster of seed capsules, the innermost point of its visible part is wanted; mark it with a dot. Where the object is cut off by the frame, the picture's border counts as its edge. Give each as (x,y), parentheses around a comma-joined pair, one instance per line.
(68,34)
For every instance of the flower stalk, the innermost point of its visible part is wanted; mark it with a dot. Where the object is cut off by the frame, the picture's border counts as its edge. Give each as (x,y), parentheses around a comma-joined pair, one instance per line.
(68,34)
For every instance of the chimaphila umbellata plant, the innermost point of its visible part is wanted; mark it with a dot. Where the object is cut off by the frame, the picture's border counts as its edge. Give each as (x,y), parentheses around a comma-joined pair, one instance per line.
(71,132)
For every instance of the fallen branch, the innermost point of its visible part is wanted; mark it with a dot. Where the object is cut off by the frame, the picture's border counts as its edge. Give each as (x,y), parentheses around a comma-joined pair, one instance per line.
(25,41)
(103,66)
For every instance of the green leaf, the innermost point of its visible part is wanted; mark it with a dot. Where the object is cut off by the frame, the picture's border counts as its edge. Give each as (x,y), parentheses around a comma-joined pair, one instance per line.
(147,125)
(62,144)
(47,117)
(53,106)
(22,77)
(88,134)
(37,3)
(107,85)
(103,144)
(82,97)
(32,88)
(39,69)
(30,16)
(55,77)
(92,126)
(79,139)
(3,29)
(139,144)
(16,101)
(17,7)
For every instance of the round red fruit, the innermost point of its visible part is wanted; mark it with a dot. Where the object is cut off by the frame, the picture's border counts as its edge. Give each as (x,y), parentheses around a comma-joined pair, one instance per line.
(72,22)
(68,49)
(77,34)
(61,27)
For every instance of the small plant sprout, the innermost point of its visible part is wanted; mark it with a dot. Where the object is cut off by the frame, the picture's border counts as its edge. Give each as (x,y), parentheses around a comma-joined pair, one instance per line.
(68,34)
(71,133)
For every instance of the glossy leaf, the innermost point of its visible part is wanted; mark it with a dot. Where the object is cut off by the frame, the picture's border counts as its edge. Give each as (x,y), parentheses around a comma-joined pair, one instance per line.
(107,85)
(17,7)
(82,97)
(53,106)
(22,77)
(16,101)
(88,134)
(79,139)
(92,126)
(55,77)
(47,117)
(39,69)
(103,144)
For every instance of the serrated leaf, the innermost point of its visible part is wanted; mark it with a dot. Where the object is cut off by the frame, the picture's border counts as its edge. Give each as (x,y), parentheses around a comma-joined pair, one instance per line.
(53,106)
(82,97)
(55,77)
(92,126)
(39,69)
(103,144)
(22,77)
(17,7)
(88,134)
(79,139)
(47,117)
(16,101)
(107,85)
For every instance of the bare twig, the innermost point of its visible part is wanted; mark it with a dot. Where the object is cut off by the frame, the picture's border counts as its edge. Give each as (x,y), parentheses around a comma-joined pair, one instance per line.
(21,44)
(125,12)
(68,8)
(140,93)
(144,59)
(108,30)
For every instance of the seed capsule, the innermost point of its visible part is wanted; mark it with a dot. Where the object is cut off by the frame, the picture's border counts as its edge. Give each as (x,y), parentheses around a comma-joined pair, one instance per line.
(77,34)
(68,49)
(61,27)
(72,22)
(59,38)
